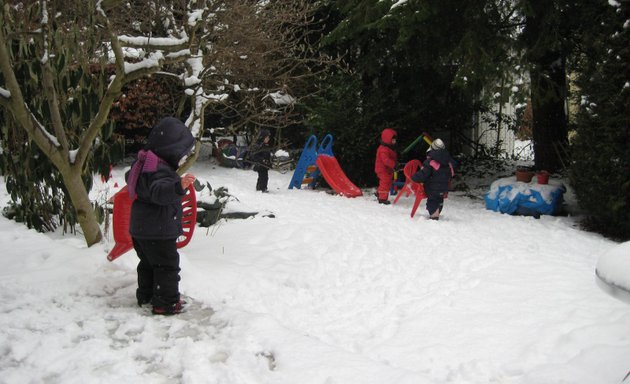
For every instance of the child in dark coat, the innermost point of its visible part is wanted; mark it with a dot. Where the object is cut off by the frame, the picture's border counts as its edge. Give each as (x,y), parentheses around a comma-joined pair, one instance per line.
(260,155)
(385,164)
(436,173)
(156,213)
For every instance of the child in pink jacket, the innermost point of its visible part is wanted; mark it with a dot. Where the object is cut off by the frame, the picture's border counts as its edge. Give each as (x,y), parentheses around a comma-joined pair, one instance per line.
(386,160)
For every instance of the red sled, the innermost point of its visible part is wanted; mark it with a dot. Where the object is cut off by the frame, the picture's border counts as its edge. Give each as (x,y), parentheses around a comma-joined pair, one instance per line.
(412,187)
(122,213)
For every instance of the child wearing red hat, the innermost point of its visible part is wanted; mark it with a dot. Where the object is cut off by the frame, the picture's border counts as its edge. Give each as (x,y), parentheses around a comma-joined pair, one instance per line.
(386,160)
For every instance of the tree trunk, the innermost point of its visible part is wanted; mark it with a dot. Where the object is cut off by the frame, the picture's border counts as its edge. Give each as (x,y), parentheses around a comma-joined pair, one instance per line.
(497,147)
(86,215)
(550,130)
(548,85)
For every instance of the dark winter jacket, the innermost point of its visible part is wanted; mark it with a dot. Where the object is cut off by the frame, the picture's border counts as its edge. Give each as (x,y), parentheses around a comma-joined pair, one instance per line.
(386,156)
(260,153)
(436,172)
(156,213)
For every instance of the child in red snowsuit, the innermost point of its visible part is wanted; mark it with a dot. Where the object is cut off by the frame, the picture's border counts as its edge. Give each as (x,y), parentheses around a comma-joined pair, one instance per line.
(386,160)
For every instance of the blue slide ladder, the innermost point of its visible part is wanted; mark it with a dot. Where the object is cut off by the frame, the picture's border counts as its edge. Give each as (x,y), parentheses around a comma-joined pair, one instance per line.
(306,171)
(325,148)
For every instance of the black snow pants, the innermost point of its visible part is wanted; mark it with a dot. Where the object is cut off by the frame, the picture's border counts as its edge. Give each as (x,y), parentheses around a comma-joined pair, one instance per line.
(158,271)
(263,178)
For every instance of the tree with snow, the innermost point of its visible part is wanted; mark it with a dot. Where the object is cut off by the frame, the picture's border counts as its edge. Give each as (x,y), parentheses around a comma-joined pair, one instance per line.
(64,63)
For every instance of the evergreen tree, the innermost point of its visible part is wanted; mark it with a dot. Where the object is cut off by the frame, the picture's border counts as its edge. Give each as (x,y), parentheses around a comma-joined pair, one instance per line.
(424,63)
(600,172)
(404,73)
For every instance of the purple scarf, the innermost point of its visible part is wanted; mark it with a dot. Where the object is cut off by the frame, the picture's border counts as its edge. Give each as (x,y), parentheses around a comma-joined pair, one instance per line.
(147,162)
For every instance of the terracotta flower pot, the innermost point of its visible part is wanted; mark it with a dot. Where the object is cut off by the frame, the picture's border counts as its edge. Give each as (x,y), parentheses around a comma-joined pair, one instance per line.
(524,175)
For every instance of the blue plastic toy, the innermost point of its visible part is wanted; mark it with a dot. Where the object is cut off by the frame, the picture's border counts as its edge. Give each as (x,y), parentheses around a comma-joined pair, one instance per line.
(322,162)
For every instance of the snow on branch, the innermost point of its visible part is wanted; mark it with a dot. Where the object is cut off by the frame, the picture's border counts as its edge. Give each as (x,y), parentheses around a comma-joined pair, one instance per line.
(196,67)
(179,54)
(153,61)
(161,42)
(280,98)
(195,16)
(72,155)
(52,138)
(5,93)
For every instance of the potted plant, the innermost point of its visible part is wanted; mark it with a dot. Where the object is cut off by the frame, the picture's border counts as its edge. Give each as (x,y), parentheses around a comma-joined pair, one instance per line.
(524,174)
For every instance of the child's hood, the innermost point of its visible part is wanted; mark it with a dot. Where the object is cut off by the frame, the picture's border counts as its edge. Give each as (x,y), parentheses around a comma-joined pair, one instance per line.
(170,139)
(387,135)
(440,155)
(262,135)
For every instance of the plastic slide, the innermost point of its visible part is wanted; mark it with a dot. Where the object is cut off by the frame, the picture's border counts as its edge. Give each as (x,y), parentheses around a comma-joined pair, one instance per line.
(303,173)
(335,177)
(321,161)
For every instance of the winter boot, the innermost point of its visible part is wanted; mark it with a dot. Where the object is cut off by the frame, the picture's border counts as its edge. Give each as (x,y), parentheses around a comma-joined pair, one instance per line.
(169,310)
(436,215)
(385,202)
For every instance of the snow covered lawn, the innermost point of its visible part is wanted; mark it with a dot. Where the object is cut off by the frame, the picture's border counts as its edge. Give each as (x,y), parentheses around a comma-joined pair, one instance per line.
(330,291)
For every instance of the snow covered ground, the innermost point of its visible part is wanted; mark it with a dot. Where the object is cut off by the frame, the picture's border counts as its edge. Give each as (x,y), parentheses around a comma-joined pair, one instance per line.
(329,291)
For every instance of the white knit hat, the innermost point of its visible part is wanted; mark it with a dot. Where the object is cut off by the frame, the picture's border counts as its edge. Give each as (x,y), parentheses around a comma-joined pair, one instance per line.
(437,144)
